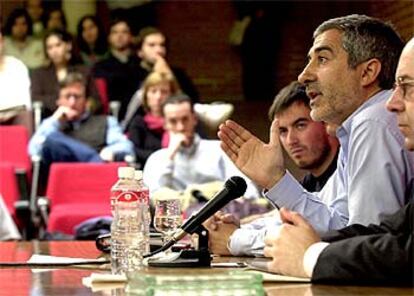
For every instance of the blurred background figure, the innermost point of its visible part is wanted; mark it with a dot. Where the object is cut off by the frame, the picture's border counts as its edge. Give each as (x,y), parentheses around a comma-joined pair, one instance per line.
(152,49)
(91,40)
(73,134)
(54,18)
(45,80)
(146,130)
(15,102)
(119,70)
(35,10)
(18,40)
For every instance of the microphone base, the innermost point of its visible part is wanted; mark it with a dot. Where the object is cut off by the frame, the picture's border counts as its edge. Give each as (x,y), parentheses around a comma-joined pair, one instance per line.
(187,258)
(195,257)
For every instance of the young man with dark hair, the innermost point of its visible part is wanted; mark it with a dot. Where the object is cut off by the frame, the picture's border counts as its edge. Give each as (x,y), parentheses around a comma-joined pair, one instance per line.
(306,141)
(376,254)
(120,70)
(351,66)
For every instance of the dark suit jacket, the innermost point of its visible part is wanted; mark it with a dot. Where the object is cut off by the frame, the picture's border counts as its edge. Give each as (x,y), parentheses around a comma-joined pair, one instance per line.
(376,254)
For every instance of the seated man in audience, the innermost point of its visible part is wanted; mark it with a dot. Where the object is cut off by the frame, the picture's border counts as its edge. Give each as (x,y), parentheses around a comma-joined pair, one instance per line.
(375,254)
(72,134)
(307,142)
(8,230)
(152,51)
(120,69)
(351,65)
(188,159)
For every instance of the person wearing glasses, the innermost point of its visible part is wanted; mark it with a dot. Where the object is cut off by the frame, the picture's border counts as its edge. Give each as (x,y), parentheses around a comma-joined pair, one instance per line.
(348,78)
(374,254)
(72,134)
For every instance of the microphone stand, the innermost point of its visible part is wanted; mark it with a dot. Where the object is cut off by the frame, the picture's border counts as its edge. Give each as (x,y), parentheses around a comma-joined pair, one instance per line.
(199,256)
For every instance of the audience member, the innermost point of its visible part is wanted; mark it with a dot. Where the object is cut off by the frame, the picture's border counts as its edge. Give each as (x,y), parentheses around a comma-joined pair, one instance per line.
(54,19)
(351,66)
(35,9)
(120,68)
(15,103)
(152,51)
(377,254)
(188,159)
(72,134)
(18,40)
(147,131)
(91,40)
(45,80)
(8,230)
(307,142)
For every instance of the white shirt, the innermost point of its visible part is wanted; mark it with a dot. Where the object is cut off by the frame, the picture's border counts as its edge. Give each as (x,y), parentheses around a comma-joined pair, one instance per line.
(14,84)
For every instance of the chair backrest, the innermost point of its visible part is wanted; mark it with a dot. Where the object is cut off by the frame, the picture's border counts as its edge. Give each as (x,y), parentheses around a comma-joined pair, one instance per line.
(8,186)
(14,141)
(102,89)
(77,183)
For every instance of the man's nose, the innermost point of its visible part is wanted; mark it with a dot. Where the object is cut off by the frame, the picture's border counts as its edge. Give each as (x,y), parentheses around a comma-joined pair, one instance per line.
(307,74)
(291,138)
(395,103)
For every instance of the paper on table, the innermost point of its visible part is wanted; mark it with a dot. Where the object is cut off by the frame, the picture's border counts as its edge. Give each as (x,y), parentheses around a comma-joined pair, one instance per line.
(52,261)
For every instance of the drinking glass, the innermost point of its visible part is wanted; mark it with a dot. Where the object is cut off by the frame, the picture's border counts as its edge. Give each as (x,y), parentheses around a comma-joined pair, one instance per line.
(167,217)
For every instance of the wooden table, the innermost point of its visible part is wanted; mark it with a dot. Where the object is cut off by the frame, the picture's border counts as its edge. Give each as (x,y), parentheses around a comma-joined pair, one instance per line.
(68,281)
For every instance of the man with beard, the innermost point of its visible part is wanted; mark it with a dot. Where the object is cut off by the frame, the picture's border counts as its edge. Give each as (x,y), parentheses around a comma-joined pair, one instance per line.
(350,69)
(307,142)
(366,255)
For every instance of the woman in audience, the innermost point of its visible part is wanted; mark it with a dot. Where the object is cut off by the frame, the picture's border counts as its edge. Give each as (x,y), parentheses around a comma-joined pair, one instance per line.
(45,80)
(18,40)
(147,131)
(91,40)
(54,18)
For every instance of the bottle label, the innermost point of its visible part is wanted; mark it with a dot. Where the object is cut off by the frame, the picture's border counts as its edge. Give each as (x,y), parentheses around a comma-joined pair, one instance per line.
(127,196)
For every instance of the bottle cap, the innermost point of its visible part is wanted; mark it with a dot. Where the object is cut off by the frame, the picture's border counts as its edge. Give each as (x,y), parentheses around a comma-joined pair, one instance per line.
(138,175)
(126,172)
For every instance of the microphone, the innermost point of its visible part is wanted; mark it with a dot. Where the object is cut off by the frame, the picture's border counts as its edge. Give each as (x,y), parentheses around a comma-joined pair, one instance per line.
(233,188)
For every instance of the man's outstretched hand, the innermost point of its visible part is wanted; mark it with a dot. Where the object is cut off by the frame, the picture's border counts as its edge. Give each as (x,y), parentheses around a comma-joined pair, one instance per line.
(263,163)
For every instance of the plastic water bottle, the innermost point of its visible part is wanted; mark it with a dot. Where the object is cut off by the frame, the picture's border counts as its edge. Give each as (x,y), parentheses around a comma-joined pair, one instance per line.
(143,194)
(128,228)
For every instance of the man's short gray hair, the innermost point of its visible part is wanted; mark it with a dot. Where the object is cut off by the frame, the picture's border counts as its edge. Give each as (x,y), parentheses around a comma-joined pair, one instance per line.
(365,38)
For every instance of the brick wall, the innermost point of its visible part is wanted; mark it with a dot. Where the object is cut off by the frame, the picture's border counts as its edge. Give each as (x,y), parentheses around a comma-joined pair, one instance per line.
(199,37)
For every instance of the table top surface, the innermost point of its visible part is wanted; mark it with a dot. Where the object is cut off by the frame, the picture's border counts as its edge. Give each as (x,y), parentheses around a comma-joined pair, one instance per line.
(68,280)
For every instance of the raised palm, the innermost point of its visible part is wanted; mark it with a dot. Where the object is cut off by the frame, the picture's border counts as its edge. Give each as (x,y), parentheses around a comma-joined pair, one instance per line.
(261,162)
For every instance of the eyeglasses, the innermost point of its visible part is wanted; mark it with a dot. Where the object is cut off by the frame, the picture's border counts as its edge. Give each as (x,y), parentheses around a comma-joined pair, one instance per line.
(403,85)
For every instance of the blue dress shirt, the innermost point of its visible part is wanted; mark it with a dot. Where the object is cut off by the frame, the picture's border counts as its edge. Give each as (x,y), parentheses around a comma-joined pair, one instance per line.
(373,178)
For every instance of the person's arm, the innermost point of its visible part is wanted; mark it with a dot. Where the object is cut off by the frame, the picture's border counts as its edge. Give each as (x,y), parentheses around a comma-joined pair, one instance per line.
(385,257)
(47,127)
(158,171)
(116,141)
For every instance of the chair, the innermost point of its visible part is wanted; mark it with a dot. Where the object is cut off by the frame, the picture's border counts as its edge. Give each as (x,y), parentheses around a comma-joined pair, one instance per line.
(79,191)
(8,187)
(15,173)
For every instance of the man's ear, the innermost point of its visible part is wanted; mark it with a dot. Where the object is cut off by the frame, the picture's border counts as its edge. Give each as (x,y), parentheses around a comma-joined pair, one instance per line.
(370,71)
